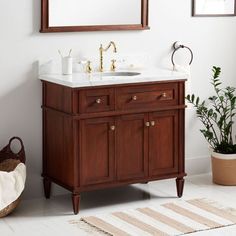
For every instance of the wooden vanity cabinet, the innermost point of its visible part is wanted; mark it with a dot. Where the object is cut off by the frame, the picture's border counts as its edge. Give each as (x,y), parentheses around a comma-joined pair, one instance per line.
(103,137)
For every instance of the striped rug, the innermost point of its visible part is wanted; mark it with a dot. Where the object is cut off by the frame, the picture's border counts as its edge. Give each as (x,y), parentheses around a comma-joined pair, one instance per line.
(176,218)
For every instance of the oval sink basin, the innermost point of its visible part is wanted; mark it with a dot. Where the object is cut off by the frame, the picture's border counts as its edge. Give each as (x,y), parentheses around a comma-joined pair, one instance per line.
(110,74)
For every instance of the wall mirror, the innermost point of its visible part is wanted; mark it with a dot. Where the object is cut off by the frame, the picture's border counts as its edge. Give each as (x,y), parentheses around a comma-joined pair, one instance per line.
(214,7)
(93,15)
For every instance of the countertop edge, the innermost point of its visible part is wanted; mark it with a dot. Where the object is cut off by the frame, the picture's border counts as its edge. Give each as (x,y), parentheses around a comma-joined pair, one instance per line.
(87,81)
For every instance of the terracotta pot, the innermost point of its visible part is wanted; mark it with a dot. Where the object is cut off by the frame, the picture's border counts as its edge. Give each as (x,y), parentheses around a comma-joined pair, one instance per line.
(224,169)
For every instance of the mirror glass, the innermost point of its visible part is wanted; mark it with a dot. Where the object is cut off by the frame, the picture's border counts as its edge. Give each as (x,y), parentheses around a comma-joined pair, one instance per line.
(214,7)
(93,12)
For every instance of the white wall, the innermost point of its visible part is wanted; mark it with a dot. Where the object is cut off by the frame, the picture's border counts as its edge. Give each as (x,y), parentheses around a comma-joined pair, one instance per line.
(21,44)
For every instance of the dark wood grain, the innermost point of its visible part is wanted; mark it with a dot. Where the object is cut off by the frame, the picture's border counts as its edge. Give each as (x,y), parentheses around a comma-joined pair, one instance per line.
(58,97)
(180,186)
(87,148)
(45,28)
(76,202)
(132,147)
(59,153)
(150,96)
(97,159)
(163,143)
(116,183)
(145,14)
(181,127)
(98,100)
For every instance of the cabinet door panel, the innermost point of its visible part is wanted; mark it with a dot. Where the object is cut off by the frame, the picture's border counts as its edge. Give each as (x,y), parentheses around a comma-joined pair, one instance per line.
(132,147)
(97,159)
(163,143)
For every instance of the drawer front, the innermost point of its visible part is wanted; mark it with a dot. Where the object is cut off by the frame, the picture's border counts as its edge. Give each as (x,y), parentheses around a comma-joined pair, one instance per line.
(147,96)
(98,100)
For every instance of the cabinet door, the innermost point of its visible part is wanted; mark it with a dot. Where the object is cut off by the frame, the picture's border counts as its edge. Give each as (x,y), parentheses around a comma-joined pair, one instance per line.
(97,154)
(132,147)
(163,143)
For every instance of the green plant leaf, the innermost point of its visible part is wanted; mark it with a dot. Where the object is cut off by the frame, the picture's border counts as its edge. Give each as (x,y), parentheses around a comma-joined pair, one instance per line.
(192,98)
(197,101)
(217,115)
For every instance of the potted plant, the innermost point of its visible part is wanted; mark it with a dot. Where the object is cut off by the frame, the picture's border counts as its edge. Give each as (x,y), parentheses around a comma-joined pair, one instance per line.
(217,116)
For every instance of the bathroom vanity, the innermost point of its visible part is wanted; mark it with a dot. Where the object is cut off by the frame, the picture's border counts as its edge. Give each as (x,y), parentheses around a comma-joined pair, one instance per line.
(107,131)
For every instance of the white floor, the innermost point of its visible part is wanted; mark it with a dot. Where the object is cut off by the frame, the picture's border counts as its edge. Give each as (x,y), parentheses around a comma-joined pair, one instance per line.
(54,217)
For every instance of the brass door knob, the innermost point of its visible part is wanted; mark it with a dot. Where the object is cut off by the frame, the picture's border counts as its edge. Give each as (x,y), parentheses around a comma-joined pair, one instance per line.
(164,95)
(153,123)
(112,127)
(98,101)
(147,124)
(134,98)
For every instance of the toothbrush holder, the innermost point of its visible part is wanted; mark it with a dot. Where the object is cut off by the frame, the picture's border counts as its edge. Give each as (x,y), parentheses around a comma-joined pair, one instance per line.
(66,63)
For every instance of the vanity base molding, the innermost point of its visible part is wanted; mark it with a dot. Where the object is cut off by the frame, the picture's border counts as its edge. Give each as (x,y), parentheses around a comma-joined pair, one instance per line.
(111,136)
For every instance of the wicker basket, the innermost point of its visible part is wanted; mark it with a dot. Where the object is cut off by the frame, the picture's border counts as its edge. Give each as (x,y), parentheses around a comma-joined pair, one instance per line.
(7,153)
(8,163)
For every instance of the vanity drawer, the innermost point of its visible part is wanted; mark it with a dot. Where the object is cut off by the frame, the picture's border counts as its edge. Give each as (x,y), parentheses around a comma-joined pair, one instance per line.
(149,96)
(98,100)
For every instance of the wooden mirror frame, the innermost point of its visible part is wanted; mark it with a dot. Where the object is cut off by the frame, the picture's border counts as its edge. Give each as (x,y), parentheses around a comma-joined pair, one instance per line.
(45,28)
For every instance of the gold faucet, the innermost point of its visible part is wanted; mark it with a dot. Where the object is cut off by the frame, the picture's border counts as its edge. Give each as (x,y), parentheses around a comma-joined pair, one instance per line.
(101,50)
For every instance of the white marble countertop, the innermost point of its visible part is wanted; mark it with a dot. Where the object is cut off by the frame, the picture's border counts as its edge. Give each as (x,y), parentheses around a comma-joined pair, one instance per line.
(80,80)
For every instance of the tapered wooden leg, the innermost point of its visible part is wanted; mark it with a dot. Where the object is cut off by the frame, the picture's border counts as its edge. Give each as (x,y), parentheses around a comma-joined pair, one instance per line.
(180,186)
(76,202)
(47,187)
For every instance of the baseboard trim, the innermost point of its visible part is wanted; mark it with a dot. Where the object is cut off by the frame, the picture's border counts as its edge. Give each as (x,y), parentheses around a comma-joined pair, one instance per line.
(198,165)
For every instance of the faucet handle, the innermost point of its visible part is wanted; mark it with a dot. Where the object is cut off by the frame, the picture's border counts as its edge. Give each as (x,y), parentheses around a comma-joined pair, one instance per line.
(88,67)
(86,64)
(113,65)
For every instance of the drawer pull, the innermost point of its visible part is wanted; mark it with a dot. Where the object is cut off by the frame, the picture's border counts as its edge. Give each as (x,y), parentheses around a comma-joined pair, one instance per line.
(112,128)
(153,123)
(164,95)
(147,124)
(134,98)
(98,101)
